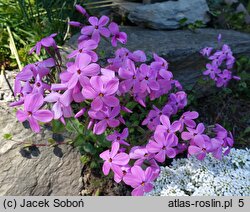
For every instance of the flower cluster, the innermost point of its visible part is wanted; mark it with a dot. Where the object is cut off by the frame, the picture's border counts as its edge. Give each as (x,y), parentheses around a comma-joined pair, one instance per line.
(210,177)
(221,64)
(100,94)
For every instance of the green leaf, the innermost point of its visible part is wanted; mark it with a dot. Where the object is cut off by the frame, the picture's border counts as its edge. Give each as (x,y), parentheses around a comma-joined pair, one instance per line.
(93,165)
(84,159)
(57,126)
(74,126)
(89,148)
(79,140)
(7,136)
(247,131)
(183,21)
(131,105)
(51,141)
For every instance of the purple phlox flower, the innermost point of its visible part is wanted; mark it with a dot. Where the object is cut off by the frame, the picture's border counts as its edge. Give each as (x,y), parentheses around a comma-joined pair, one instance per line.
(21,92)
(86,47)
(230,61)
(226,49)
(216,148)
(187,119)
(200,147)
(140,98)
(140,154)
(108,73)
(164,79)
(31,71)
(97,28)
(148,80)
(76,24)
(193,132)
(167,127)
(212,70)
(59,109)
(162,145)
(46,42)
(177,84)
(126,110)
(32,112)
(220,131)
(225,137)
(83,38)
(165,75)
(181,147)
(42,68)
(130,78)
(206,51)
(81,10)
(119,175)
(119,137)
(102,91)
(39,86)
(81,69)
(77,93)
(167,110)
(138,56)
(80,113)
(228,143)
(106,117)
(159,63)
(116,35)
(155,168)
(219,38)
(152,119)
(177,100)
(70,94)
(140,180)
(113,159)
(224,78)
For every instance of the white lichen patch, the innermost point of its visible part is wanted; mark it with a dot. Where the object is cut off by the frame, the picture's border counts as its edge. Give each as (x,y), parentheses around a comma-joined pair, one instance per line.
(210,177)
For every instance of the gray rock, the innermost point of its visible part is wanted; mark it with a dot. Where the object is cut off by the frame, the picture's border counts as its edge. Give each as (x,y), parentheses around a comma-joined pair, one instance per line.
(7,81)
(164,15)
(43,171)
(180,47)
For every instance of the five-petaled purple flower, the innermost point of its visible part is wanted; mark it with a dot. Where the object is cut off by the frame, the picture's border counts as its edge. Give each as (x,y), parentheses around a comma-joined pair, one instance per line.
(119,137)
(116,35)
(97,28)
(102,91)
(140,180)
(162,145)
(33,113)
(113,159)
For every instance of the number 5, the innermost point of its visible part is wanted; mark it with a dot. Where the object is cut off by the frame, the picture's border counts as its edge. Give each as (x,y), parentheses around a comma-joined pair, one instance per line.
(241,203)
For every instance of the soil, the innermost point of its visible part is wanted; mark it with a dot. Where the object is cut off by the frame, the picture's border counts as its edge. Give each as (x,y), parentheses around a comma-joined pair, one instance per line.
(96,184)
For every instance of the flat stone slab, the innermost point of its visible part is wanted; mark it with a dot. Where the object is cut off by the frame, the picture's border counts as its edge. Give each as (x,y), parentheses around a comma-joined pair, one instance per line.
(42,171)
(165,14)
(180,47)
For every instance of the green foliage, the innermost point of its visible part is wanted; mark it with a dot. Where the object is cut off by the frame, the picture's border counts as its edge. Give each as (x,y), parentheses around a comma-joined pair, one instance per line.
(7,136)
(30,21)
(227,106)
(191,26)
(227,16)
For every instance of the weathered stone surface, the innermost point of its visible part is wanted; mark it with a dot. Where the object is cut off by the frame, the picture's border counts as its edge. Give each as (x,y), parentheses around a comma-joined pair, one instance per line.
(180,47)
(164,15)
(43,171)
(7,80)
